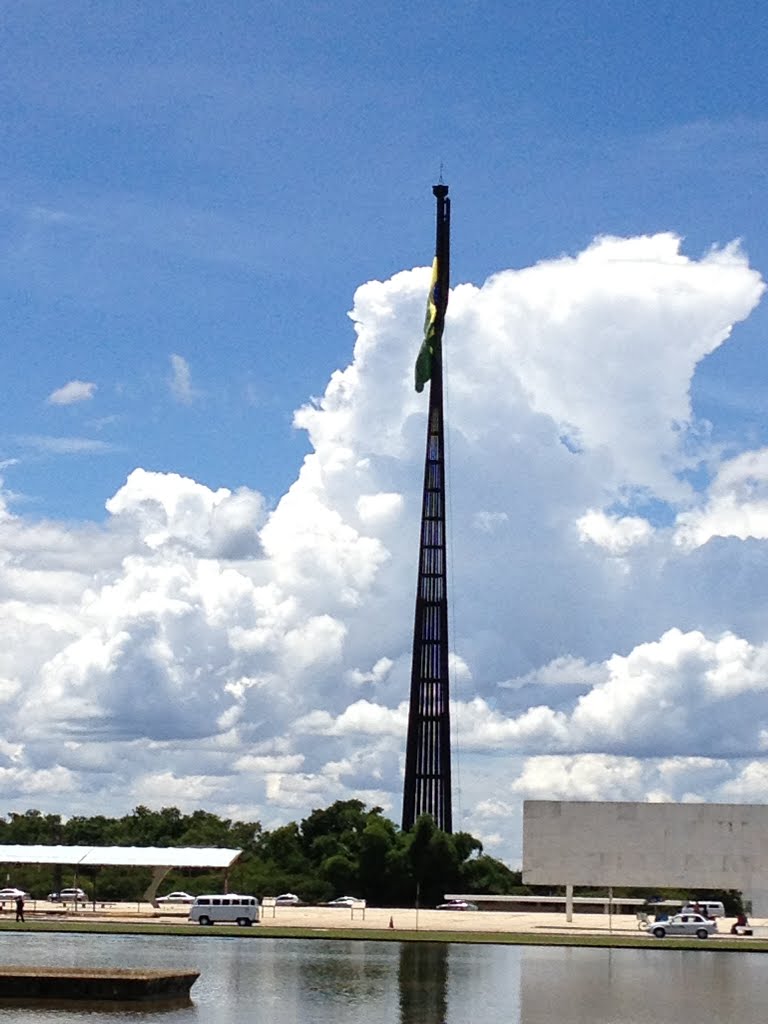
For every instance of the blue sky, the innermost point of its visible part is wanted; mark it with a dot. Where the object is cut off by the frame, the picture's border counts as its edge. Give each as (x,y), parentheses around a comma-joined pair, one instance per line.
(210,472)
(217,183)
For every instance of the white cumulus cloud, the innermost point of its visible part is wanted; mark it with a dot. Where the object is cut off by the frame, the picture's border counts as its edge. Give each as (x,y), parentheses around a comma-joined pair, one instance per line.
(736,503)
(202,647)
(71,392)
(617,534)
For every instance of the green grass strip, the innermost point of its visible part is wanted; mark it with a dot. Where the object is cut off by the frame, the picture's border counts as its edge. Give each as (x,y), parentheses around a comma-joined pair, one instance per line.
(263,931)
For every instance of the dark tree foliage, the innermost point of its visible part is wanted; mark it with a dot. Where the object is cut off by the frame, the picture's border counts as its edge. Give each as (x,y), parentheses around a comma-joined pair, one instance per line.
(485,874)
(344,849)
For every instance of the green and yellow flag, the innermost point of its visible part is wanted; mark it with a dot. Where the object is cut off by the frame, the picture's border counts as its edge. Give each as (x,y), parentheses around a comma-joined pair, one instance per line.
(433,329)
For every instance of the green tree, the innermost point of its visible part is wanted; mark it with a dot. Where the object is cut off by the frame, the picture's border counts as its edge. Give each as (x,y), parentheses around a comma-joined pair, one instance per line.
(342,873)
(32,828)
(344,821)
(283,847)
(377,860)
(433,860)
(345,847)
(96,831)
(487,875)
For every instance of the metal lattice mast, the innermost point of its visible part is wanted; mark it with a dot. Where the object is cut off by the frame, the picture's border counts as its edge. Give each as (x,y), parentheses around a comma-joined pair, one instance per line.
(427,785)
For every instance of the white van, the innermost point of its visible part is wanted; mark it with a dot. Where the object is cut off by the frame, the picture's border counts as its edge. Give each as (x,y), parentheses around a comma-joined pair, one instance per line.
(709,908)
(226,908)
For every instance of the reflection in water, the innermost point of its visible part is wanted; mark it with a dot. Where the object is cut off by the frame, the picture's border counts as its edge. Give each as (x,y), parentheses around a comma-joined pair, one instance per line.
(630,986)
(294,981)
(133,1007)
(336,979)
(423,982)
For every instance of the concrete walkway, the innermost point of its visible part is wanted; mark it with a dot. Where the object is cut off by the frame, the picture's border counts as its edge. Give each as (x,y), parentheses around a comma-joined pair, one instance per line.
(405,919)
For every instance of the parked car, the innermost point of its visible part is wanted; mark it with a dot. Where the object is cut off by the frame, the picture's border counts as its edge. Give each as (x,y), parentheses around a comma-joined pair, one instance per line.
(68,896)
(12,894)
(176,897)
(287,899)
(456,905)
(684,924)
(708,908)
(344,901)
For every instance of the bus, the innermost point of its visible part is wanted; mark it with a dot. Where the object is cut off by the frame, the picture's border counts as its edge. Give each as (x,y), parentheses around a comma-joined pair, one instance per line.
(225,908)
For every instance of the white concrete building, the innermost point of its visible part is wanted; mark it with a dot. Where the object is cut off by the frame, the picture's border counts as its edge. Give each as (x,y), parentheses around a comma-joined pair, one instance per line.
(692,846)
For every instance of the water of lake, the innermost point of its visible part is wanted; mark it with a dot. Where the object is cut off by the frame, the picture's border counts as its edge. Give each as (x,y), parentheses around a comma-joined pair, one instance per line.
(290,981)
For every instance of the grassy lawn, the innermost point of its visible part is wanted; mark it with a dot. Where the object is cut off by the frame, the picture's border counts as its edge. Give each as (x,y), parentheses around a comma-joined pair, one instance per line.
(263,931)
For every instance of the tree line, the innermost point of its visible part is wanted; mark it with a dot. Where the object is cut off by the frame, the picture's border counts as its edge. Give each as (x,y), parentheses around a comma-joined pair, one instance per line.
(344,849)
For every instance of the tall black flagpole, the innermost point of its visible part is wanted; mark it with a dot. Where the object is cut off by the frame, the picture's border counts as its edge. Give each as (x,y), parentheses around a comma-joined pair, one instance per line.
(427,784)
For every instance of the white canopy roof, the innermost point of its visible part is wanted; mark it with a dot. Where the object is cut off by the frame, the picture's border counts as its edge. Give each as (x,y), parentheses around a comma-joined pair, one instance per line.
(122,856)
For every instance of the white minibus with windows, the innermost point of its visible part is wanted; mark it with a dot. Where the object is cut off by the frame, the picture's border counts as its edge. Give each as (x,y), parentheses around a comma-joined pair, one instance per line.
(226,908)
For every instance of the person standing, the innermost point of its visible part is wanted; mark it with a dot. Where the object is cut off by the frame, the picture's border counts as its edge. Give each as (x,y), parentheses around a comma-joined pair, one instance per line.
(20,908)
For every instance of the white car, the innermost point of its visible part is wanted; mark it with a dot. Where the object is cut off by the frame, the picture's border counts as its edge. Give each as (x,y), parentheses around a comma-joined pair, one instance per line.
(683,924)
(344,901)
(176,897)
(12,894)
(287,899)
(456,905)
(68,896)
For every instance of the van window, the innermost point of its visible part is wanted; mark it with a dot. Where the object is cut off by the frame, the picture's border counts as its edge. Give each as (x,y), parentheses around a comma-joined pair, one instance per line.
(711,908)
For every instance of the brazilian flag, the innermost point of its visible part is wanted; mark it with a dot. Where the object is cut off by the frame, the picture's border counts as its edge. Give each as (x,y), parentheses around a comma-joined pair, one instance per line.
(433,329)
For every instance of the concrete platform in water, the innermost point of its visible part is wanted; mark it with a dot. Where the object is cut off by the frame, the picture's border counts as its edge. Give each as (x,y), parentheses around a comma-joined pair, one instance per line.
(95,985)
